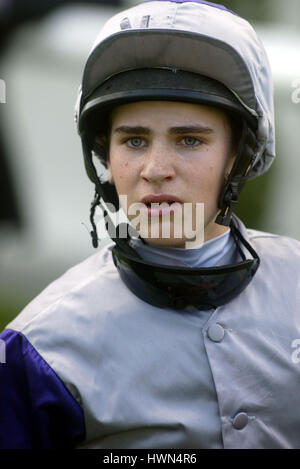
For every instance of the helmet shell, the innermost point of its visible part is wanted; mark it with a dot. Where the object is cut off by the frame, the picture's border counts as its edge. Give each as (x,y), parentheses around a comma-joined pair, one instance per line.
(193,36)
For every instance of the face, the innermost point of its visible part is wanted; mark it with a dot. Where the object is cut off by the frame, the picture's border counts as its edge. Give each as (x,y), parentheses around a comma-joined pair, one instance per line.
(172,158)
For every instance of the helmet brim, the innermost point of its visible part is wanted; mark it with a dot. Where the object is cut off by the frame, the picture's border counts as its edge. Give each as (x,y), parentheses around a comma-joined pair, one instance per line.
(156,85)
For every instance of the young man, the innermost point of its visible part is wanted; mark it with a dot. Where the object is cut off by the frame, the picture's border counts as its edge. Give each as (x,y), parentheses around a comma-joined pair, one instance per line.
(164,341)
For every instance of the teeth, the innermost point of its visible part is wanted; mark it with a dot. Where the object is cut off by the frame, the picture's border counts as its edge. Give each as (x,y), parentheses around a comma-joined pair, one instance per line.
(164,201)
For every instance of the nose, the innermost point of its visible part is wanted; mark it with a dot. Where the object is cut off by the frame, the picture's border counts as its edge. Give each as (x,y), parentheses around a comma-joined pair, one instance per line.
(158,165)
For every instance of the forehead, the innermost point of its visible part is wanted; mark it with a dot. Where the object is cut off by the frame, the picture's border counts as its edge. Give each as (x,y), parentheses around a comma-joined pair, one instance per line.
(152,113)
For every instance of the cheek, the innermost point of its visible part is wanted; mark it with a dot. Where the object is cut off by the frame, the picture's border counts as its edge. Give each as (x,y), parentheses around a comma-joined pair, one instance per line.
(207,178)
(119,173)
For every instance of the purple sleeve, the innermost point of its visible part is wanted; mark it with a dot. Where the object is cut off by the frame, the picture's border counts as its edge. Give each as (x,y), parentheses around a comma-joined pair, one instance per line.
(36,409)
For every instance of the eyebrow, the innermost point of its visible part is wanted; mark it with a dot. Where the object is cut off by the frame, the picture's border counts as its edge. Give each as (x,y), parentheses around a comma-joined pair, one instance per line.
(180,130)
(137,130)
(190,129)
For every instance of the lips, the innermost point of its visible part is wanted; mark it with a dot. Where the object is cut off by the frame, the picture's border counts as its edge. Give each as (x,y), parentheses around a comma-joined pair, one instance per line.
(160,198)
(154,204)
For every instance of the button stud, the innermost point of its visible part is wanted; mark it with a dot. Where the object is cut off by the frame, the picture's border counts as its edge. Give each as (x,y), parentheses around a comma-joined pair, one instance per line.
(216,332)
(240,421)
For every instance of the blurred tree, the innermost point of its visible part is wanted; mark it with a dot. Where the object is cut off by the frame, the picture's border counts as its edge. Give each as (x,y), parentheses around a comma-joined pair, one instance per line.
(253,200)
(267,10)
(12,14)
(252,10)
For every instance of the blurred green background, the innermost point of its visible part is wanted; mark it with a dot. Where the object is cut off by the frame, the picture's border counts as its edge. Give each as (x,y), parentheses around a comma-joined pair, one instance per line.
(45,217)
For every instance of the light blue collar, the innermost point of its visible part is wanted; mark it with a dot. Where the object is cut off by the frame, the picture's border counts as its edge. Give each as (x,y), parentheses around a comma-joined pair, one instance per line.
(216,251)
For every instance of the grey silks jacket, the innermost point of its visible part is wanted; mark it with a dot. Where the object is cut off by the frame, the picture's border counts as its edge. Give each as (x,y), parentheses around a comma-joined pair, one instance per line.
(158,378)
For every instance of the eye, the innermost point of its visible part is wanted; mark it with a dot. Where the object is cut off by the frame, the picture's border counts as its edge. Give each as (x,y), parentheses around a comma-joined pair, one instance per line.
(135,142)
(190,141)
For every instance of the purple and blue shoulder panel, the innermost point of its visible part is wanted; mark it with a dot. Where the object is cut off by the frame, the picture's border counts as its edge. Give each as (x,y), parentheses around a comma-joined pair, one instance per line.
(37,411)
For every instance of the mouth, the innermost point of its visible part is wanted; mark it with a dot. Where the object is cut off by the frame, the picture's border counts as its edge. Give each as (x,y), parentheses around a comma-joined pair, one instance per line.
(159,199)
(161,204)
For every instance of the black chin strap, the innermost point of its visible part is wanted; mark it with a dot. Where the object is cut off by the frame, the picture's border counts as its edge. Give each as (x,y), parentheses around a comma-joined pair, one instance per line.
(94,233)
(238,175)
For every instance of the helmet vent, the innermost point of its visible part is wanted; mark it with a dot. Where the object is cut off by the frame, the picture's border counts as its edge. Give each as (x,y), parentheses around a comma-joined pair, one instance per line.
(125,24)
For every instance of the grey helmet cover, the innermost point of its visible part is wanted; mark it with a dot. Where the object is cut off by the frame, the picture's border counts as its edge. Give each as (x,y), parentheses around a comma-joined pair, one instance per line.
(194,36)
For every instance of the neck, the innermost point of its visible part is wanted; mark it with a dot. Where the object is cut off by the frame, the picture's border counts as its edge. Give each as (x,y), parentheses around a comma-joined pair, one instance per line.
(215,251)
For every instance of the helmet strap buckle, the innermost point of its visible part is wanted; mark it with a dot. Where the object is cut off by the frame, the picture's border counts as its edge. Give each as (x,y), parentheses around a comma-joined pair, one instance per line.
(230,201)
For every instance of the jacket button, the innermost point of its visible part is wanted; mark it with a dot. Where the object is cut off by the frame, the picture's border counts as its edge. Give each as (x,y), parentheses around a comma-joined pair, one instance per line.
(240,421)
(216,332)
